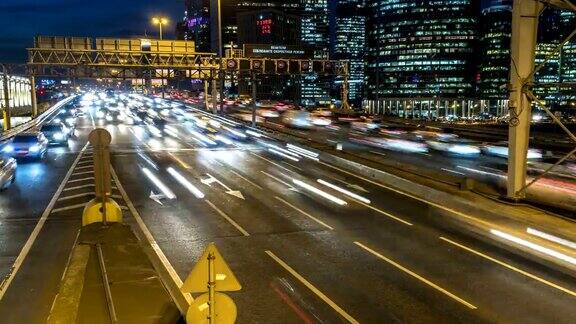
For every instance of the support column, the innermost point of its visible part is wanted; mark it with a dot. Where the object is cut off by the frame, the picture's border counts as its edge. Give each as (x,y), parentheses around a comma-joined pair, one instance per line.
(33,96)
(253,99)
(214,96)
(6,110)
(206,103)
(523,47)
(222,85)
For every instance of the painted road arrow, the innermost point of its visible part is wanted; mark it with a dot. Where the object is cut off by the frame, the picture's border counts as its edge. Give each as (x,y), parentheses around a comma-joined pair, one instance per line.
(157,197)
(211,179)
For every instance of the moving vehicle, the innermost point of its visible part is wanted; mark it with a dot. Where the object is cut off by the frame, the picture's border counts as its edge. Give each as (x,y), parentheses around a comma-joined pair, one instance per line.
(7,172)
(454,147)
(500,149)
(27,145)
(56,133)
(297,119)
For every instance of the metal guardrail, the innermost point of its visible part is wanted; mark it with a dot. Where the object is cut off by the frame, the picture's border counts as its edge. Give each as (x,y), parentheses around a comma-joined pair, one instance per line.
(35,121)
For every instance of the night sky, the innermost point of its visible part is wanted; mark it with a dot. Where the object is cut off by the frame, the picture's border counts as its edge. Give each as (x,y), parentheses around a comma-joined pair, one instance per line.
(21,20)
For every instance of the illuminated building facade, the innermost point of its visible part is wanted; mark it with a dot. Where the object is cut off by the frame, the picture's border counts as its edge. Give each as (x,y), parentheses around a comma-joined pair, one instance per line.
(495,35)
(268,26)
(315,89)
(196,24)
(422,48)
(232,8)
(550,35)
(348,42)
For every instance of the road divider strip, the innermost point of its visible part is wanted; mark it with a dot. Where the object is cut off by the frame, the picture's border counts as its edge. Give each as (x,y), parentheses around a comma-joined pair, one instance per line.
(310,286)
(417,276)
(160,262)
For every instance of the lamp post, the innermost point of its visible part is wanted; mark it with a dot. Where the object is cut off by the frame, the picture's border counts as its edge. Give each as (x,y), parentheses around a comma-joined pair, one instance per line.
(160,21)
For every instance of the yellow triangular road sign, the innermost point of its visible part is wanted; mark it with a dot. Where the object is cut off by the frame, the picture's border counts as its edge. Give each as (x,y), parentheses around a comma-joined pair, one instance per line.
(197,280)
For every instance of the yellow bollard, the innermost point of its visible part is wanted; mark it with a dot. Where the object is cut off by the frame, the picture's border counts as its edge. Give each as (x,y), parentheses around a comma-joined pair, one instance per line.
(93,212)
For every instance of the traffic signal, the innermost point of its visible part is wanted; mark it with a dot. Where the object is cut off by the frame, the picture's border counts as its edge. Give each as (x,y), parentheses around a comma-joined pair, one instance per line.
(281,66)
(257,66)
(232,64)
(305,67)
(329,67)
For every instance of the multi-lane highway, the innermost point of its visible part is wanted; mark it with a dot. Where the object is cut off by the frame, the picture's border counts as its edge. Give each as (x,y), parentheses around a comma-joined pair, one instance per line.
(308,242)
(404,152)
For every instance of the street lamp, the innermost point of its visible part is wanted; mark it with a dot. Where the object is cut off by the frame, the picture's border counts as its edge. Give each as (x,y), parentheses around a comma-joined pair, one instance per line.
(160,21)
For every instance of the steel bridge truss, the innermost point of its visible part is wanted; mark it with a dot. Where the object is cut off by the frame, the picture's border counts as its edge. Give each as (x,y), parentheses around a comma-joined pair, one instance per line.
(525,28)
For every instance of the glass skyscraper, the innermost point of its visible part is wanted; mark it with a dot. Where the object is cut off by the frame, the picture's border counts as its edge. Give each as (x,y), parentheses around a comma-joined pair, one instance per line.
(348,42)
(422,48)
(314,29)
(495,35)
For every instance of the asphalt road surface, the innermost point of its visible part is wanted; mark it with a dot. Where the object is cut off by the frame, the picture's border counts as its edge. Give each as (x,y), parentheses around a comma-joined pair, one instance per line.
(302,250)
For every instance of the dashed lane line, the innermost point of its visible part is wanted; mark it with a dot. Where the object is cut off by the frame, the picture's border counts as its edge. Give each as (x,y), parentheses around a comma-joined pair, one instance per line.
(228,218)
(305,213)
(417,276)
(313,288)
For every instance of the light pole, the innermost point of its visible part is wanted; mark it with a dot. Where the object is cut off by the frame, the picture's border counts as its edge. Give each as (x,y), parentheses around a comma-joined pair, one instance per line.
(160,21)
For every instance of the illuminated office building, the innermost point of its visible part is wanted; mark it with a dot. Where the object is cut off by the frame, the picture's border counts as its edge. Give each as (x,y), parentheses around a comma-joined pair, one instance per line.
(232,8)
(495,35)
(196,24)
(422,48)
(422,51)
(315,89)
(348,42)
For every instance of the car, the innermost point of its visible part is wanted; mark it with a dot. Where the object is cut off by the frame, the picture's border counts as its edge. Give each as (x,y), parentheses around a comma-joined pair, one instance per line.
(56,133)
(66,117)
(27,145)
(7,172)
(464,148)
(297,119)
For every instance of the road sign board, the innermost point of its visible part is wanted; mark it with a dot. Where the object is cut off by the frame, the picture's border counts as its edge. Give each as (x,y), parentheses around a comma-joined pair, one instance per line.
(198,278)
(199,310)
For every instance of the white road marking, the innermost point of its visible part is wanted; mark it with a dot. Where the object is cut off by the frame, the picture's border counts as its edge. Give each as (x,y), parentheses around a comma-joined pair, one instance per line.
(148,236)
(32,238)
(379,153)
(417,276)
(310,286)
(385,213)
(247,180)
(80,180)
(56,210)
(452,171)
(90,185)
(85,194)
(82,173)
(511,267)
(230,220)
(272,162)
(84,167)
(305,214)
(453,211)
(279,180)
